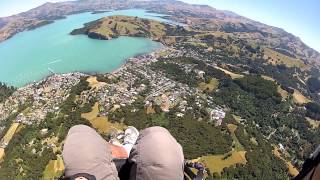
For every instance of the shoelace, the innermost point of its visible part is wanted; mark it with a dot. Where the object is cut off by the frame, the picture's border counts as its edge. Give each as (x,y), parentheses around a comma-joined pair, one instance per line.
(129,138)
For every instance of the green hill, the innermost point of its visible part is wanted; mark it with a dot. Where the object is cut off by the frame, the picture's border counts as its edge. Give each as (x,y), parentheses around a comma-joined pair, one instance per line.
(115,26)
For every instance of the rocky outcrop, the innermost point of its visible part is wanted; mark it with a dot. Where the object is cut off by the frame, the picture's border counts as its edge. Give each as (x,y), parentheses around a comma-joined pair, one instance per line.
(95,35)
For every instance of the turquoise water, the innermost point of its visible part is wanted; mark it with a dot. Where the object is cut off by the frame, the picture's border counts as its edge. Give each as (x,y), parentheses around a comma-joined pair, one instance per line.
(29,55)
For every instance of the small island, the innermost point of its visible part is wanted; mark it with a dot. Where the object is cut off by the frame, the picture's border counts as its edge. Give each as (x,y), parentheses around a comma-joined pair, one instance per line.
(114,26)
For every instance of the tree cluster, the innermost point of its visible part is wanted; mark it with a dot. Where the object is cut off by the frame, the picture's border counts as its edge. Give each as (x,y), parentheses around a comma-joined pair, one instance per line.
(313,110)
(5,91)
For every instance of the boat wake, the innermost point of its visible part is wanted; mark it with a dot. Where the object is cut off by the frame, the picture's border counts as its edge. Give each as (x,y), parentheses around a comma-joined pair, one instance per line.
(52,62)
(51,70)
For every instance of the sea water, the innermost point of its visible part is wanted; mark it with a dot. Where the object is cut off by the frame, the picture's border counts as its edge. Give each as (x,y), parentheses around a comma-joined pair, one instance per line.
(32,55)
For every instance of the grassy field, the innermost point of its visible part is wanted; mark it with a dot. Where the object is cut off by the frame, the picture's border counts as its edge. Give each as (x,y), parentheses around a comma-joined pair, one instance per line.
(1,154)
(284,94)
(101,123)
(299,98)
(115,26)
(313,123)
(211,86)
(93,82)
(292,170)
(12,130)
(268,78)
(216,163)
(93,114)
(254,141)
(150,110)
(8,136)
(54,169)
(163,53)
(237,118)
(231,74)
(277,58)
(237,145)
(20,127)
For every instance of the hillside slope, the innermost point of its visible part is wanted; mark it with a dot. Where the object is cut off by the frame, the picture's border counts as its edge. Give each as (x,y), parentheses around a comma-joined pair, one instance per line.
(115,26)
(200,16)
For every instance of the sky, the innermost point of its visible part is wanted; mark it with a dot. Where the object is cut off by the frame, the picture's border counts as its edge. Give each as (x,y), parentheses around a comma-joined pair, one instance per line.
(11,7)
(299,17)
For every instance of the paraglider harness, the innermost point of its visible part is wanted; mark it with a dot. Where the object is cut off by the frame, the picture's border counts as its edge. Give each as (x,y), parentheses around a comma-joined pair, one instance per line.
(124,168)
(309,166)
(190,175)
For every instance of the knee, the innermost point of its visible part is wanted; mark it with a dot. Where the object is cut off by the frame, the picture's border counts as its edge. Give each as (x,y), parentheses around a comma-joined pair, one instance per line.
(154,130)
(158,141)
(80,128)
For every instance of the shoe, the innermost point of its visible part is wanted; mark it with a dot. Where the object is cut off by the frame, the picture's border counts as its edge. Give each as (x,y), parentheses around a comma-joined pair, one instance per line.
(131,135)
(115,142)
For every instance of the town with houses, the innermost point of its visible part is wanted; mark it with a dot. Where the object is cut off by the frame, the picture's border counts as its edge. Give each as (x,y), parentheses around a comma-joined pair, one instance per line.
(163,92)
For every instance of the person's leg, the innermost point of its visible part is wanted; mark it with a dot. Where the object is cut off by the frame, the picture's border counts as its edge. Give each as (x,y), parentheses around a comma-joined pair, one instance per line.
(85,151)
(157,155)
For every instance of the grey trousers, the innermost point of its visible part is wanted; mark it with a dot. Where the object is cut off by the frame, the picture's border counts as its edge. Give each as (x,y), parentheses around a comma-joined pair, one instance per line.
(156,155)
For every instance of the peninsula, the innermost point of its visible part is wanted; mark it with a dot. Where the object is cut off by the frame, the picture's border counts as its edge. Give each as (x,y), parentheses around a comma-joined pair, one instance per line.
(114,26)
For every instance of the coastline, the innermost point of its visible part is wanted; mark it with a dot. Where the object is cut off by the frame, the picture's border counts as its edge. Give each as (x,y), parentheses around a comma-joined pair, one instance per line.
(23,79)
(126,61)
(92,73)
(53,19)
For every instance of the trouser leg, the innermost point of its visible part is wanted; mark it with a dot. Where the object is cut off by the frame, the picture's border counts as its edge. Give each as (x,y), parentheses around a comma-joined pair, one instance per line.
(85,151)
(156,155)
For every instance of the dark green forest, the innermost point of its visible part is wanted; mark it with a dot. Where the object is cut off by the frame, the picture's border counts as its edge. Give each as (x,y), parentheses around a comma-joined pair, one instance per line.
(5,91)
